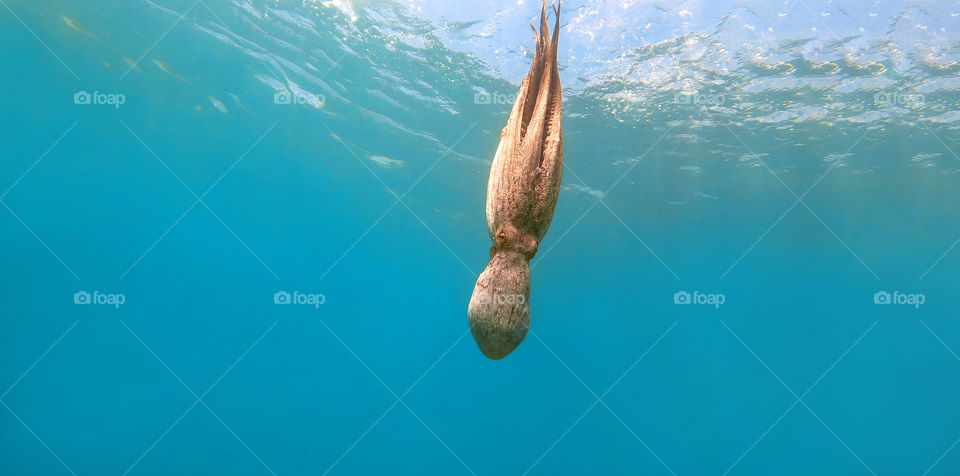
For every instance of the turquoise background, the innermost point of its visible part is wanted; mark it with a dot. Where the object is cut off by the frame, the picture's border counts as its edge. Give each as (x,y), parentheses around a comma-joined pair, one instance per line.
(791,184)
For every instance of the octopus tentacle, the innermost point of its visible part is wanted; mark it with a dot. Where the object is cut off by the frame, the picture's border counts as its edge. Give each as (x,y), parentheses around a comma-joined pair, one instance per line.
(551,159)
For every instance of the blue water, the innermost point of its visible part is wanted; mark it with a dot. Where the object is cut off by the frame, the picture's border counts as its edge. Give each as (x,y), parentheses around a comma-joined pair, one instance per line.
(790,159)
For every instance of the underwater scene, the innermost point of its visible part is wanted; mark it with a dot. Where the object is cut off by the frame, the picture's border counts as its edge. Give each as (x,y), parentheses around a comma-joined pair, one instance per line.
(418,237)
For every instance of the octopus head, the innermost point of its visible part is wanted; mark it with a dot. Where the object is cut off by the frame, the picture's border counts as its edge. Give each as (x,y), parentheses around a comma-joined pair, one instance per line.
(499,310)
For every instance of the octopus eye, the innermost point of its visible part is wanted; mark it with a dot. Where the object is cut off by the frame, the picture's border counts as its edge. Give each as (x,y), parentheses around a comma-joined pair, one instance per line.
(502,236)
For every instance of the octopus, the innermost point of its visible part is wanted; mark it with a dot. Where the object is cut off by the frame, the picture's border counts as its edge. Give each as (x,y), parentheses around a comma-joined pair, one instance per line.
(522,193)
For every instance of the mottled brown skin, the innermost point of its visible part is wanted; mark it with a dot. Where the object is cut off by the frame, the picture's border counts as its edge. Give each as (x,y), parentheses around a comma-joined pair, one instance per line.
(521,196)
